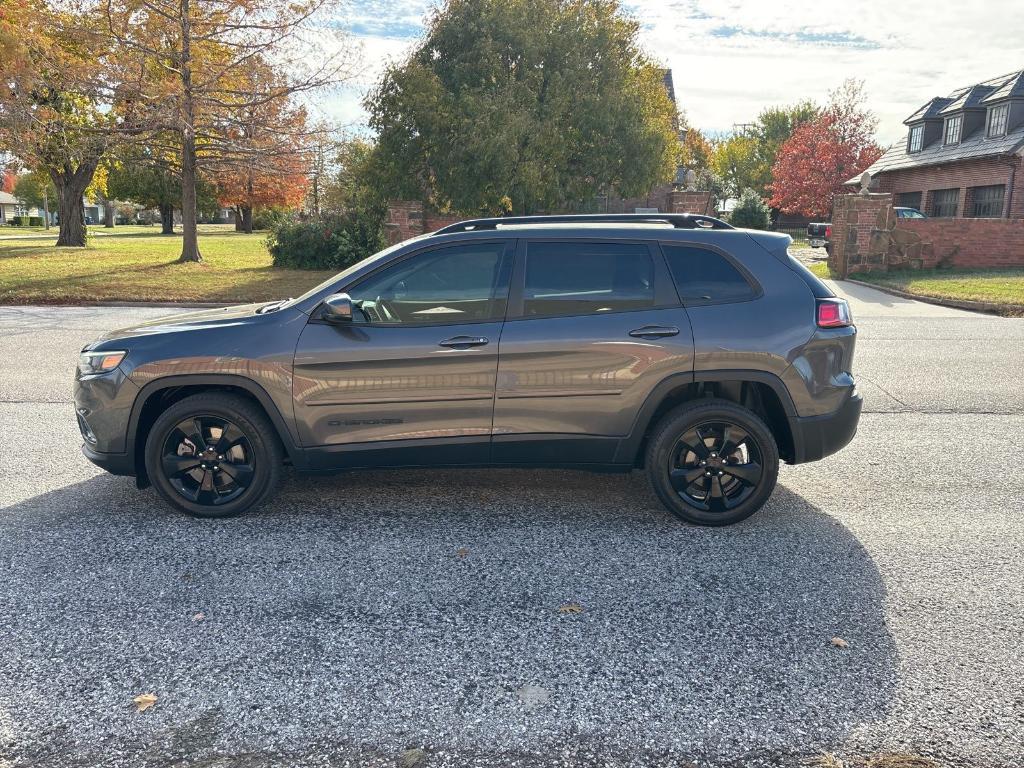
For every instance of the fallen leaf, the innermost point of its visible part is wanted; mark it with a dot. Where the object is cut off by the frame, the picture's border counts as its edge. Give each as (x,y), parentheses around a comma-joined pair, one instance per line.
(462,552)
(199,616)
(838,642)
(570,608)
(145,701)
(412,758)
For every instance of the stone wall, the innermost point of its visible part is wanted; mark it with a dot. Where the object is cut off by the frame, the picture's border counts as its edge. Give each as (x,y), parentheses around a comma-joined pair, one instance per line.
(867,235)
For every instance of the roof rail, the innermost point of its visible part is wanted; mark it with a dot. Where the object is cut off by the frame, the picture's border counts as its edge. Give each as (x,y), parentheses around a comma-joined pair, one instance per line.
(677,220)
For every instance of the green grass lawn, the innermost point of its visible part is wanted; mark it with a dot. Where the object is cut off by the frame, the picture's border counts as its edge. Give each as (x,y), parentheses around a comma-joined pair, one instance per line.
(998,286)
(140,264)
(820,269)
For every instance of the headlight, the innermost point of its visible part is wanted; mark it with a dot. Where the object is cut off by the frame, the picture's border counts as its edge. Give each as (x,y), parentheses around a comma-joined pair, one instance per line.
(90,363)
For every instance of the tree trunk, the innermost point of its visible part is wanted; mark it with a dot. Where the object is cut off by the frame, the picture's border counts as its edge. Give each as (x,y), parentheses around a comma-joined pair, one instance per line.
(46,209)
(108,213)
(189,230)
(238,218)
(71,211)
(247,219)
(167,219)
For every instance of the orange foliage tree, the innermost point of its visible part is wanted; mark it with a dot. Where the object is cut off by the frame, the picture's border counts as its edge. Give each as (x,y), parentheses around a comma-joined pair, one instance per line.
(824,153)
(265,160)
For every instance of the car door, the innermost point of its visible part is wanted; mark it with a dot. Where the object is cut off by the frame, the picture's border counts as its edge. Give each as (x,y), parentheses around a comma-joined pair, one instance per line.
(418,362)
(593,326)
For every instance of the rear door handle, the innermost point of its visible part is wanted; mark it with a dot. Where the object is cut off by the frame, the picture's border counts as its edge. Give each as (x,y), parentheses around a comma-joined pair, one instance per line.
(464,342)
(654,331)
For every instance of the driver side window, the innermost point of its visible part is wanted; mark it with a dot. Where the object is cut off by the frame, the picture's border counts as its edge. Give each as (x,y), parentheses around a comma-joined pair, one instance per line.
(458,284)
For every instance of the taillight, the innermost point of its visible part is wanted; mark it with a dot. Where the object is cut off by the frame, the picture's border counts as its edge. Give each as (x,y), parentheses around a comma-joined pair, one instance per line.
(828,230)
(833,313)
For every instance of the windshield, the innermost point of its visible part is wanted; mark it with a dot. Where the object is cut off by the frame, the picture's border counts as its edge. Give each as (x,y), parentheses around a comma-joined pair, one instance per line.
(345,273)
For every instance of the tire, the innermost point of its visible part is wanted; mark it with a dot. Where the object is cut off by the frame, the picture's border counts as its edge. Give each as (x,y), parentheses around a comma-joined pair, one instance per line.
(722,490)
(242,469)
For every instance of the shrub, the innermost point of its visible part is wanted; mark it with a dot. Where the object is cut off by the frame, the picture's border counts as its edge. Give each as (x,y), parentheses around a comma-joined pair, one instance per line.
(327,242)
(21,221)
(751,212)
(271,218)
(35,221)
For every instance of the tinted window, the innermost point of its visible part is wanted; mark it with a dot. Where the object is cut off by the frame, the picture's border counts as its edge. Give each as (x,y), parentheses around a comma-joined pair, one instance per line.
(582,278)
(704,276)
(462,283)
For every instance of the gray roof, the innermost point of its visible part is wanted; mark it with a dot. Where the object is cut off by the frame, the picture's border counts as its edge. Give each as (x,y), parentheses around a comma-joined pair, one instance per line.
(976,145)
(977,96)
(929,111)
(6,198)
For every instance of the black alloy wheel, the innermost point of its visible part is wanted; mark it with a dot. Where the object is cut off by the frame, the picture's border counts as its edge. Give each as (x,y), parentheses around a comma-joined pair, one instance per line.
(208,460)
(712,462)
(716,466)
(213,455)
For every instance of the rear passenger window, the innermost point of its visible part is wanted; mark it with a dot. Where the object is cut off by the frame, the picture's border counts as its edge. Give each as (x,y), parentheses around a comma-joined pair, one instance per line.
(703,276)
(585,278)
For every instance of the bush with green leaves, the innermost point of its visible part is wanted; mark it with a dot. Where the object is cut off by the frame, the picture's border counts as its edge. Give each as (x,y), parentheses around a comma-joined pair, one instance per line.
(271,218)
(751,212)
(326,242)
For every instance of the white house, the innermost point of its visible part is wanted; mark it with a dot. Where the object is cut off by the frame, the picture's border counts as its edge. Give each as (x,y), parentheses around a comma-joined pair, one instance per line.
(10,207)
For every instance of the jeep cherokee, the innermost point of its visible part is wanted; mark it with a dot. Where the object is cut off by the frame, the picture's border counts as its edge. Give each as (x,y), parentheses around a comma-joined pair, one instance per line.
(671,342)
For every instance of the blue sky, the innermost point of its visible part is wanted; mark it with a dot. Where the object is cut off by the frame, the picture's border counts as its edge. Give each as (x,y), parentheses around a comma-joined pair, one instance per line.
(731,58)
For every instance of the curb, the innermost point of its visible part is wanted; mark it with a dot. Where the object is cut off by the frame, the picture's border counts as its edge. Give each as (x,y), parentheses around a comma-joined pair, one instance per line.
(986,307)
(128,304)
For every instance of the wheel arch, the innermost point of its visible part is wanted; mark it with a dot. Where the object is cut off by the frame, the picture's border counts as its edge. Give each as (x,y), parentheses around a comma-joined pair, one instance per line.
(158,395)
(762,392)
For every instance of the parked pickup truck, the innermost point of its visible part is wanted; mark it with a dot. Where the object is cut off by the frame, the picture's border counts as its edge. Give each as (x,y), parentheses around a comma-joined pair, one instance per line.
(819,234)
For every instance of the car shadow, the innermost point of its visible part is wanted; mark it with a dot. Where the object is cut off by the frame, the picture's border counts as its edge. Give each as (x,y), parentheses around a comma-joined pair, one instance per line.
(482,613)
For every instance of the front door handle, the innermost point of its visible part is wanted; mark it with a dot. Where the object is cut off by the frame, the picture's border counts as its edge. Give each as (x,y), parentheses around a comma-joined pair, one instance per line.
(654,331)
(463,342)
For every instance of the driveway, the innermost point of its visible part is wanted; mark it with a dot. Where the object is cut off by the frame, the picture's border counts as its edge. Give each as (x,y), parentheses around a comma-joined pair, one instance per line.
(414,617)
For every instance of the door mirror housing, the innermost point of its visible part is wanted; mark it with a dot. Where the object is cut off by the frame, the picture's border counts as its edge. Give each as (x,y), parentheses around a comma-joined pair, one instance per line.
(337,308)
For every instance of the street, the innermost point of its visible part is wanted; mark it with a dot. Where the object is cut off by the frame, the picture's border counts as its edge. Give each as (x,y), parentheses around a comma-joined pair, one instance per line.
(419,616)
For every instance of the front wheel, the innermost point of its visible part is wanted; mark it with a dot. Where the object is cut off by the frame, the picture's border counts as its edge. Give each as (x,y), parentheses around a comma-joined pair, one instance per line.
(712,462)
(213,455)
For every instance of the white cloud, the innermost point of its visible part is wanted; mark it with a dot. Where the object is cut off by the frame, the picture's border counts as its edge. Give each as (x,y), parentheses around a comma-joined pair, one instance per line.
(732,58)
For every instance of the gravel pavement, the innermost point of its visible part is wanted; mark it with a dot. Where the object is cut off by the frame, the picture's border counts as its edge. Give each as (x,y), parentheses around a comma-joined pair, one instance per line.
(416,618)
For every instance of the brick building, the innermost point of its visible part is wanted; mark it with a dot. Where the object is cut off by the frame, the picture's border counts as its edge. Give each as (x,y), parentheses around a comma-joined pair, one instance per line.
(962,155)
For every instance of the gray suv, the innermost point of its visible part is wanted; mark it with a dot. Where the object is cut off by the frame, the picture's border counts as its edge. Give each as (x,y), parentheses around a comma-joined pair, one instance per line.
(673,343)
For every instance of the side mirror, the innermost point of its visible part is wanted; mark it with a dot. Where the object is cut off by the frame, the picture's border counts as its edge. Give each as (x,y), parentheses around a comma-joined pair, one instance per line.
(337,308)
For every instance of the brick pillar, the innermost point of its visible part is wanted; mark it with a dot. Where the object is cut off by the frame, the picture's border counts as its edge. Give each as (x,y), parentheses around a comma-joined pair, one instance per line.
(405,219)
(861,226)
(690,202)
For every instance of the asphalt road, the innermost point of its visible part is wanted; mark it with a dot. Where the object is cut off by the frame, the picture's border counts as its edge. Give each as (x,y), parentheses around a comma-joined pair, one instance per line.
(359,619)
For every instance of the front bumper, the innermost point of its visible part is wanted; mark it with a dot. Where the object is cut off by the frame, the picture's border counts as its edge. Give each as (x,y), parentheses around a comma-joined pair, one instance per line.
(815,437)
(114,463)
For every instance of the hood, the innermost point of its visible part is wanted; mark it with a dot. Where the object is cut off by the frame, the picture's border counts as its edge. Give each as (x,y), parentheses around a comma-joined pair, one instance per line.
(205,319)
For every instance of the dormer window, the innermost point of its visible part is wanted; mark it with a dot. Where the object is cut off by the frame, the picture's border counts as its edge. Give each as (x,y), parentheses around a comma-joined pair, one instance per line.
(916,142)
(997,119)
(952,131)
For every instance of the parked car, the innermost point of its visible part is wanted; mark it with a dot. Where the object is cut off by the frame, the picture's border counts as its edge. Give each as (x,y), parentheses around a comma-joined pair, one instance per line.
(819,234)
(908,213)
(675,343)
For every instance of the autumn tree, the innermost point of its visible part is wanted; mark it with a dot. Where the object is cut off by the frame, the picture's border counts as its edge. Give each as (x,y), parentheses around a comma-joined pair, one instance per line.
(735,160)
(268,148)
(35,189)
(145,177)
(523,106)
(822,154)
(188,58)
(55,109)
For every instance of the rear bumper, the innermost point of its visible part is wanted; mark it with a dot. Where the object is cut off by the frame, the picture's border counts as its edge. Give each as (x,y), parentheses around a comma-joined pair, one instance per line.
(114,463)
(815,437)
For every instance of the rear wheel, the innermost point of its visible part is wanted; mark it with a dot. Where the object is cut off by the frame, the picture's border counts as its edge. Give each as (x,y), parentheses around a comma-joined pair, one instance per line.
(712,462)
(213,455)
